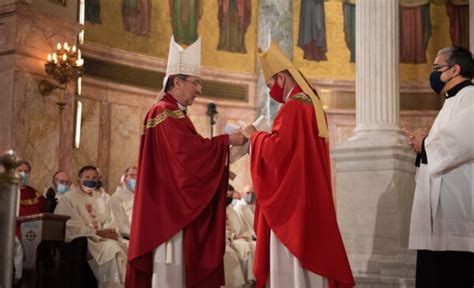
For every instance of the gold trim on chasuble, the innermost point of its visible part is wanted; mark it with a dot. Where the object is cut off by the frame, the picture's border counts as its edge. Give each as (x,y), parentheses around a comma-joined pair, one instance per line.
(162,117)
(29,202)
(302,97)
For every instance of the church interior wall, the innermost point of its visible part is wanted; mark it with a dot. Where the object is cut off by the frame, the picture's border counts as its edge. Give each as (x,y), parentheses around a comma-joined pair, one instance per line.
(113,112)
(111,33)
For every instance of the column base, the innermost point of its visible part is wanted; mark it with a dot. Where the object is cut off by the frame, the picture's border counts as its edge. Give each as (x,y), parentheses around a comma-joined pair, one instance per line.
(374,192)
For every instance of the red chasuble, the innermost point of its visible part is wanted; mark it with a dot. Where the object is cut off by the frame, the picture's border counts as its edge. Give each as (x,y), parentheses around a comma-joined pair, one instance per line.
(181,185)
(291,175)
(31,203)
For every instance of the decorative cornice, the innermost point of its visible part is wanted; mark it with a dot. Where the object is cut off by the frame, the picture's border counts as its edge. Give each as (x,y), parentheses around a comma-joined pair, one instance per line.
(349,86)
(158,64)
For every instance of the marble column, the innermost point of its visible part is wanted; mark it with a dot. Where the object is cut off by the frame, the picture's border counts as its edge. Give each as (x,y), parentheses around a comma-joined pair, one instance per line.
(275,23)
(375,168)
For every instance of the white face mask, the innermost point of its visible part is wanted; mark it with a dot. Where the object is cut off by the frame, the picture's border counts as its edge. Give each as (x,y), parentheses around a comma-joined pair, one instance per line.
(234,202)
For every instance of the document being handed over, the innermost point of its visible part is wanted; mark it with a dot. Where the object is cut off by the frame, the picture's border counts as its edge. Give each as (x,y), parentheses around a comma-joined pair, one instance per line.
(237,152)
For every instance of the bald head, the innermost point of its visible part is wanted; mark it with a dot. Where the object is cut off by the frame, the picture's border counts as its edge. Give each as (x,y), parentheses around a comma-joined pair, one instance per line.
(61,177)
(248,189)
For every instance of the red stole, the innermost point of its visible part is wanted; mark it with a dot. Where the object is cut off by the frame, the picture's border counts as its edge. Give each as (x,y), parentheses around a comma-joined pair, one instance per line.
(181,185)
(30,203)
(291,175)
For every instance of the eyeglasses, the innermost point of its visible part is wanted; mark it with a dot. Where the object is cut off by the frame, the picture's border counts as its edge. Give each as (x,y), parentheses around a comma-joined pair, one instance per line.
(436,67)
(196,82)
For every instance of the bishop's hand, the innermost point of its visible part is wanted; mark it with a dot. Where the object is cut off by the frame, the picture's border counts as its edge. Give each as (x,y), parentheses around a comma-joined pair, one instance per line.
(248,131)
(237,139)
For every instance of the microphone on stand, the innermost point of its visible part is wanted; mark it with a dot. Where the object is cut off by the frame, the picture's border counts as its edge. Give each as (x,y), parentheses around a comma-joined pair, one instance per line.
(211,112)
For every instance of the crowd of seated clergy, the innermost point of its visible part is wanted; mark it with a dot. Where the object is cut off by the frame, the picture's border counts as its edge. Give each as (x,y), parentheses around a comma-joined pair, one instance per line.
(240,241)
(104,220)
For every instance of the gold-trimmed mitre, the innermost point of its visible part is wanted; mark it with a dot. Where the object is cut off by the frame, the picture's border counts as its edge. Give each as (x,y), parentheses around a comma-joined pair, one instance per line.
(186,61)
(274,60)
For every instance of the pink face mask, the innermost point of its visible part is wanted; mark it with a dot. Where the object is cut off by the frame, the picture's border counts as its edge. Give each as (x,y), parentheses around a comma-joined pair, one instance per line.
(277,92)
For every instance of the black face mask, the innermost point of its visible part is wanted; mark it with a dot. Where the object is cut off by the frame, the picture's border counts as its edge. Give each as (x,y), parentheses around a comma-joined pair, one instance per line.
(228,200)
(435,81)
(89,184)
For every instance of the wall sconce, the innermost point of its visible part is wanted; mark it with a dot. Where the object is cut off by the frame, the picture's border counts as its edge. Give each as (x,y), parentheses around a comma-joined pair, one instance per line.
(64,65)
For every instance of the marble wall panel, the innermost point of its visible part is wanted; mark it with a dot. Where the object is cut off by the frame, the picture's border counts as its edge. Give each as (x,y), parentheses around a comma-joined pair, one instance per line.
(41,120)
(126,124)
(88,152)
(6,104)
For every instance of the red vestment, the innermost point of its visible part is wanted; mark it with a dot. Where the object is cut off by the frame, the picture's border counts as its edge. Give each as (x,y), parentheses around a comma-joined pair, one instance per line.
(31,203)
(181,185)
(291,175)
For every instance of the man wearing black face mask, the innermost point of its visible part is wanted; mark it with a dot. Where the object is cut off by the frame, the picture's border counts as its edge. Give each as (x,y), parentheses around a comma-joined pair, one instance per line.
(442,222)
(106,247)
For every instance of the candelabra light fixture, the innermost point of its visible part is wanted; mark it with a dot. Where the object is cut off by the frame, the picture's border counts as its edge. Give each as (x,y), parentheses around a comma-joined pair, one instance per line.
(64,65)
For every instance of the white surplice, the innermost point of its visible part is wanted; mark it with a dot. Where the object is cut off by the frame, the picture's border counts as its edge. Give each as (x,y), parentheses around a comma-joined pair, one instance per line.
(286,270)
(108,257)
(443,207)
(247,212)
(121,206)
(168,264)
(245,248)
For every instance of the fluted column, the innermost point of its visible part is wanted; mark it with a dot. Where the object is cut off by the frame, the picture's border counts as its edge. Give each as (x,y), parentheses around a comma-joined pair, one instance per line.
(275,23)
(377,80)
(375,168)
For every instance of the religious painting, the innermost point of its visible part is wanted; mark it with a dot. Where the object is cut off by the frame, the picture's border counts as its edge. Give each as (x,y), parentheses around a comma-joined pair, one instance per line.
(415,30)
(234,19)
(348,9)
(92,11)
(312,30)
(59,2)
(185,16)
(136,16)
(458,13)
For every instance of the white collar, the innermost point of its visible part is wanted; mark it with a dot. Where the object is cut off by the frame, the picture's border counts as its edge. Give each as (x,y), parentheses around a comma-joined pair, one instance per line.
(288,94)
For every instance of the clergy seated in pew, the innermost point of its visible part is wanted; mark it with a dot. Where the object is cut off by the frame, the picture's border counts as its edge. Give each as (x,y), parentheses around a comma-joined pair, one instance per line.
(60,184)
(246,209)
(240,240)
(121,202)
(31,201)
(234,275)
(107,250)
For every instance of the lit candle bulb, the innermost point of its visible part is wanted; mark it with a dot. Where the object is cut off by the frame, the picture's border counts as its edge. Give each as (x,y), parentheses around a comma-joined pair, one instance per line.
(64,57)
(78,53)
(55,58)
(66,47)
(58,47)
(49,57)
(74,48)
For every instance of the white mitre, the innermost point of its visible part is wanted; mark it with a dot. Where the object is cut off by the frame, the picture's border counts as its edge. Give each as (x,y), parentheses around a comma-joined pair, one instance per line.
(186,61)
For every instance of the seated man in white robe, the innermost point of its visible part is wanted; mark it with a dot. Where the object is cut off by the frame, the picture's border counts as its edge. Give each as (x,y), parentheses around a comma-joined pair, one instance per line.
(241,240)
(121,202)
(246,209)
(104,197)
(234,275)
(107,250)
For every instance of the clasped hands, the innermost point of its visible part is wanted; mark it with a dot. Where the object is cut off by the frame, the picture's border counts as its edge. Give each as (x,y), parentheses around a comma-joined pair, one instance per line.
(108,233)
(415,141)
(241,137)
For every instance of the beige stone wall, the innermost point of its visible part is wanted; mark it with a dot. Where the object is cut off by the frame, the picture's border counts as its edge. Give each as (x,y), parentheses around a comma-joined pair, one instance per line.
(31,124)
